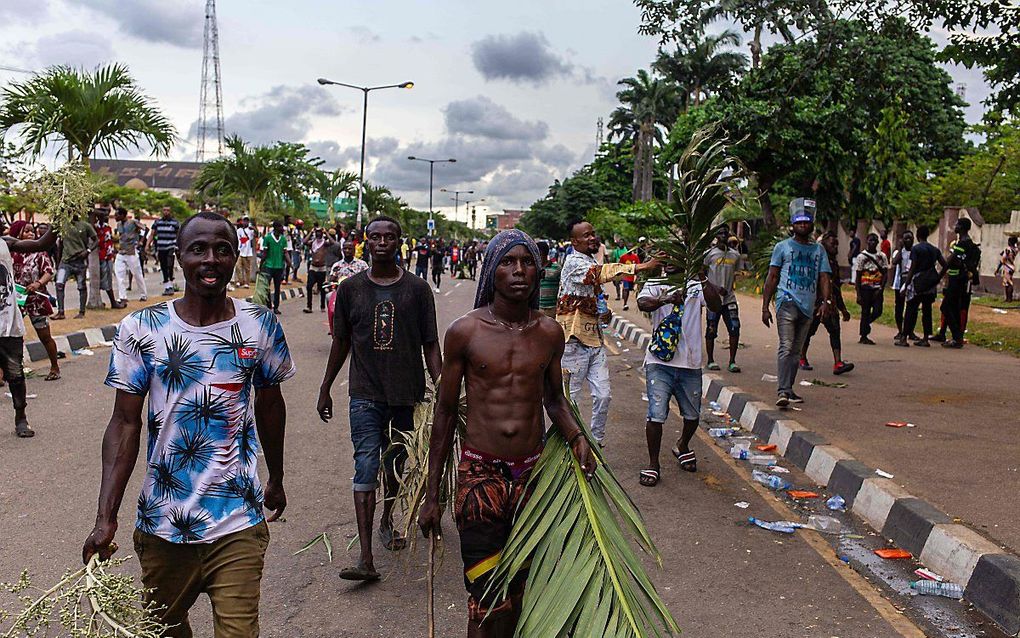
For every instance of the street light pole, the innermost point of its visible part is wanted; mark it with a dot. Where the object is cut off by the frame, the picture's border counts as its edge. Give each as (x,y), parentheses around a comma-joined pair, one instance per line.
(364,126)
(432,163)
(456,200)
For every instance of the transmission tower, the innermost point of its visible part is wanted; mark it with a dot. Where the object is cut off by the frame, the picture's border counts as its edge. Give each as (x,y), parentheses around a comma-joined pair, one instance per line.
(598,137)
(210,83)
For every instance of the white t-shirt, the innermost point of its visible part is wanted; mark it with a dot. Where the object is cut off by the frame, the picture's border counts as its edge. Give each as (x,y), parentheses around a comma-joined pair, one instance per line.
(689,346)
(246,242)
(11,323)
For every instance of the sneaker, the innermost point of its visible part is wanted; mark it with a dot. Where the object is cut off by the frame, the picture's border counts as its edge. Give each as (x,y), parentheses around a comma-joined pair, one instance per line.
(952,344)
(712,365)
(626,307)
(938,338)
(866,341)
(913,337)
(804,365)
(307,311)
(783,400)
(923,343)
(901,342)
(842,368)
(143,298)
(795,398)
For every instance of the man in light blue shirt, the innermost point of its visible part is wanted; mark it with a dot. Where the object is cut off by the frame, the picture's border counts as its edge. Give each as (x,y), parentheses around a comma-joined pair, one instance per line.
(798,272)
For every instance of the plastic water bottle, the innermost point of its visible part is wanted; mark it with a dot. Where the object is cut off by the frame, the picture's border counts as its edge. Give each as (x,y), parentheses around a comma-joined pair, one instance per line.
(722,433)
(824,524)
(715,405)
(770,480)
(837,502)
(740,452)
(935,588)
(786,527)
(767,460)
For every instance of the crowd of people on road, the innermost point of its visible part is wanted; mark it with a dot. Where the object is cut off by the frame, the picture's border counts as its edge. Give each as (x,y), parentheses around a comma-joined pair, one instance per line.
(211,367)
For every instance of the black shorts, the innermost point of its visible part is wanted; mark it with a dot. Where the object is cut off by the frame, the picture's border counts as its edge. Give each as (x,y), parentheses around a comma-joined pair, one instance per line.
(12,357)
(729,315)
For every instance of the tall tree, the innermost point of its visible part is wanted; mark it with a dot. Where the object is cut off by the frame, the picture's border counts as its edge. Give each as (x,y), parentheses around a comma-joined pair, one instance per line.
(102,111)
(703,68)
(647,104)
(263,176)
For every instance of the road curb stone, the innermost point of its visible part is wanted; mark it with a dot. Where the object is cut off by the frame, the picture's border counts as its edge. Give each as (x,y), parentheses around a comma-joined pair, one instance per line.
(990,574)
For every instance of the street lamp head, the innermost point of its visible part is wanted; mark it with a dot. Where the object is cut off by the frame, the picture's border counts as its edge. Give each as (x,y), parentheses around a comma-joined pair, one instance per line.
(406,85)
(451,160)
(323,81)
(411,157)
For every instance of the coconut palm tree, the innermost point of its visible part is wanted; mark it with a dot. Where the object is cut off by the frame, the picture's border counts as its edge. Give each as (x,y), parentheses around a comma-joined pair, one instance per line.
(646,104)
(102,111)
(331,184)
(704,68)
(263,176)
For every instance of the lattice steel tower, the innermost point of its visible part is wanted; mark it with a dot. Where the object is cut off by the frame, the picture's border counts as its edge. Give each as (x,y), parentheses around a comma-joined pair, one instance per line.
(598,137)
(210,84)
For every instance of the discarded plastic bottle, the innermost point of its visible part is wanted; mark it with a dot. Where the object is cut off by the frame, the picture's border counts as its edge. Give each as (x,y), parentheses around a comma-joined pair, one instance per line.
(935,588)
(740,450)
(785,527)
(767,460)
(824,524)
(722,433)
(837,502)
(770,480)
(715,405)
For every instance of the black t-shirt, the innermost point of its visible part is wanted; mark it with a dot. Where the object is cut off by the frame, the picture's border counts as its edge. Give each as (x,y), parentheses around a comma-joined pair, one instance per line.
(387,326)
(423,254)
(437,259)
(923,260)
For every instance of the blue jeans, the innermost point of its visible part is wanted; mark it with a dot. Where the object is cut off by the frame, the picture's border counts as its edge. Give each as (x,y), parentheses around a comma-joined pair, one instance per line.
(588,363)
(372,423)
(683,384)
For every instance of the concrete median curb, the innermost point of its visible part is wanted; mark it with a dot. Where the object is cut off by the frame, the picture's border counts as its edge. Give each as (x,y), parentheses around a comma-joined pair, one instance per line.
(990,574)
(93,337)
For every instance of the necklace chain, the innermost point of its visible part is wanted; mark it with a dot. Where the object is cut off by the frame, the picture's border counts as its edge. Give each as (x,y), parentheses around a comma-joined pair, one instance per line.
(510,326)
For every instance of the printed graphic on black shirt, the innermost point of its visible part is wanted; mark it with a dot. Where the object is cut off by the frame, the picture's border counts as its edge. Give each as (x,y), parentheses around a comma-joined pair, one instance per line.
(382,328)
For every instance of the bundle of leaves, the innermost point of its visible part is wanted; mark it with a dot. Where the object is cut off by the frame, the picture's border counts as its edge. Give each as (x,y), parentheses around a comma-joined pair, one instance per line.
(711,179)
(585,578)
(65,193)
(91,602)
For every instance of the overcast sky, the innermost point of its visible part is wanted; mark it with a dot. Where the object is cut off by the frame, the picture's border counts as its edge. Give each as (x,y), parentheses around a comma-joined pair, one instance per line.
(511,90)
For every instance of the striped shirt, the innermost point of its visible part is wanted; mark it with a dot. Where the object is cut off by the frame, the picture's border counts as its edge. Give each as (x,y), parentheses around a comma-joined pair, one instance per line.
(166,233)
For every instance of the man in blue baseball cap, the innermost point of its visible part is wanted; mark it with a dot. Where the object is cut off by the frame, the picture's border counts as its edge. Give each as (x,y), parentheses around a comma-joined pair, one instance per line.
(798,272)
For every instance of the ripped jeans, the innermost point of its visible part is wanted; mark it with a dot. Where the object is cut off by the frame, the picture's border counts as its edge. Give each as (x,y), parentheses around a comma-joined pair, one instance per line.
(588,363)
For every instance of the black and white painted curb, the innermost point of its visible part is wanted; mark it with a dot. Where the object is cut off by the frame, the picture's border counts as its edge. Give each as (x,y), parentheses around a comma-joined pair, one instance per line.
(88,338)
(990,574)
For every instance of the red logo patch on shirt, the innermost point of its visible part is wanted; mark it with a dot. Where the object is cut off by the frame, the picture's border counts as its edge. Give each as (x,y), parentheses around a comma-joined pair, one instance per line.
(247,353)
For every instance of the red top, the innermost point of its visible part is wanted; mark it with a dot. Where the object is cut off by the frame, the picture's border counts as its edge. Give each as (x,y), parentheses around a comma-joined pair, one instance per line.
(105,235)
(886,247)
(629,258)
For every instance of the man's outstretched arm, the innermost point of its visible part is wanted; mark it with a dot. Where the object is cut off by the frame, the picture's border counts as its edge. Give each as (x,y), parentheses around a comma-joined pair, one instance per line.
(120,451)
(444,424)
(32,245)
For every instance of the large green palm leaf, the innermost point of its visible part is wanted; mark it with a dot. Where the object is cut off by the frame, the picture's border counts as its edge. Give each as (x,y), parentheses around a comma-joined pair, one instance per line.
(585,578)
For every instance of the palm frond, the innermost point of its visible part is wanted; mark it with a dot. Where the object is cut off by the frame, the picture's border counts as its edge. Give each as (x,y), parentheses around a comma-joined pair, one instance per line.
(585,578)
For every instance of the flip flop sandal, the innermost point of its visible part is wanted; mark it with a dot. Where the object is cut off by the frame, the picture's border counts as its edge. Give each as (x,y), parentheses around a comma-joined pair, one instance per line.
(359,573)
(392,540)
(53,376)
(733,368)
(712,366)
(649,478)
(688,462)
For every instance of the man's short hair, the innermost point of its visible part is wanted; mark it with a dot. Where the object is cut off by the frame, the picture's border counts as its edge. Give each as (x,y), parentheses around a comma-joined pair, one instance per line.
(872,235)
(829,234)
(571,224)
(385,218)
(922,232)
(964,223)
(121,210)
(543,248)
(211,216)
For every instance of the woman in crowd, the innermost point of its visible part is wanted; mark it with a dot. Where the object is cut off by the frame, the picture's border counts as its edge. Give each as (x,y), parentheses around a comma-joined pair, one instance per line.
(34,271)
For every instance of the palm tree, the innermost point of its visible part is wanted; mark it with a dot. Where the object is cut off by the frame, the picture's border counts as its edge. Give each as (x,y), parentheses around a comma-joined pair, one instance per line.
(704,68)
(103,111)
(331,184)
(263,176)
(647,103)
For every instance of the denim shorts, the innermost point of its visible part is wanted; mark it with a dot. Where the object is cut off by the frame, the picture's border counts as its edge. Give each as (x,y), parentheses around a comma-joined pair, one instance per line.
(730,317)
(663,382)
(370,434)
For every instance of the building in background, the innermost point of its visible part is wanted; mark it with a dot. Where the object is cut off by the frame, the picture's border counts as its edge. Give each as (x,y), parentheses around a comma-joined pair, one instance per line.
(175,178)
(503,221)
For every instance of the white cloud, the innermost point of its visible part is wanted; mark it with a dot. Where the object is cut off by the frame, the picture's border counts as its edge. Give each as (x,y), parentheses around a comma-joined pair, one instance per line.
(179,23)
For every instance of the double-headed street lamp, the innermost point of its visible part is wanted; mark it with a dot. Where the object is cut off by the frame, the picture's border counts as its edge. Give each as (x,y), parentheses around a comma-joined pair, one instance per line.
(364,125)
(432,166)
(467,206)
(456,200)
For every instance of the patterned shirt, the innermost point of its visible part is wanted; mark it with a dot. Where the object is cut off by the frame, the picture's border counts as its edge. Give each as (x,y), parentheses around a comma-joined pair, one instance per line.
(343,269)
(200,481)
(105,235)
(30,268)
(581,282)
(166,233)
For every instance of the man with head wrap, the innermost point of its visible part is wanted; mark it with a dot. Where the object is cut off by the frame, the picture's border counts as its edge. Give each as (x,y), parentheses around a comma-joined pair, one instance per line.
(509,353)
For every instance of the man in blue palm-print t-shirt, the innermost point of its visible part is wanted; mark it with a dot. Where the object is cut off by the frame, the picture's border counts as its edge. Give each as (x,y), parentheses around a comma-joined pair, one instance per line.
(211,367)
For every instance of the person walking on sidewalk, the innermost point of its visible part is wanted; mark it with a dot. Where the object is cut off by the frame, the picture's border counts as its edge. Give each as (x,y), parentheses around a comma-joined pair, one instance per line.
(549,284)
(438,254)
(211,367)
(247,236)
(901,266)
(577,312)
(163,242)
(107,253)
(126,263)
(963,264)
(275,259)
(721,262)
(798,273)
(319,244)
(870,272)
(673,366)
(830,241)
(629,281)
(1007,267)
(920,285)
(385,318)
(34,271)
(75,245)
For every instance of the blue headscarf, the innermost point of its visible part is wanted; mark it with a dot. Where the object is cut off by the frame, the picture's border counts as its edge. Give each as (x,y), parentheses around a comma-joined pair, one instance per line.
(500,245)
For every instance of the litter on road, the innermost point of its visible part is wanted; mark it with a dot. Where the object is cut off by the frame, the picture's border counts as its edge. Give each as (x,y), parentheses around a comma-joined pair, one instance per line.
(883,474)
(786,527)
(771,378)
(742,505)
(802,494)
(766,448)
(893,553)
(837,503)
(899,424)
(927,574)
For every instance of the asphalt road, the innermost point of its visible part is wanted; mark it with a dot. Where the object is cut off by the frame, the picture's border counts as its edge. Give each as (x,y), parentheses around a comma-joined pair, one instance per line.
(720,576)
